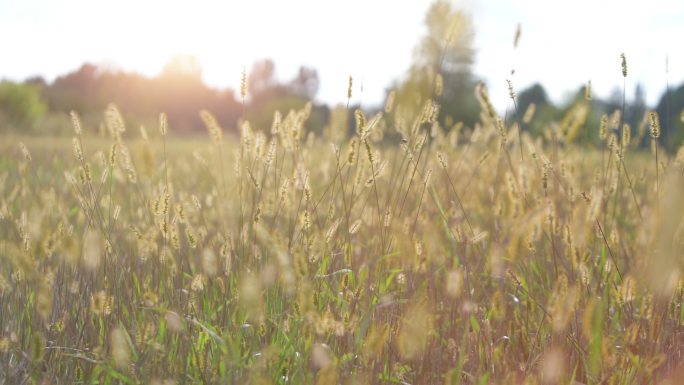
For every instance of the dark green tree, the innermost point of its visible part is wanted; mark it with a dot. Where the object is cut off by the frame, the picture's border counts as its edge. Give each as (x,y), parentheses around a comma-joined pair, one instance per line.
(673,124)
(544,110)
(21,106)
(534,94)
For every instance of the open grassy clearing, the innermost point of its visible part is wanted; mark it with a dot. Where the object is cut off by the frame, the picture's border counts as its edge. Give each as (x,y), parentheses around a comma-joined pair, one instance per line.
(406,253)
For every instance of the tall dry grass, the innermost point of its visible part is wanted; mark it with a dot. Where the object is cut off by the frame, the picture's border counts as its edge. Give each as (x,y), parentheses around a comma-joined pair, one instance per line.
(409,253)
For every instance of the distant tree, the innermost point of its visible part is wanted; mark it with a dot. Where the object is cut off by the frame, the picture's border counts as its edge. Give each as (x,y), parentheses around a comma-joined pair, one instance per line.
(534,94)
(637,108)
(21,106)
(446,50)
(37,81)
(261,82)
(672,123)
(183,65)
(77,90)
(178,90)
(305,83)
(267,94)
(544,110)
(635,111)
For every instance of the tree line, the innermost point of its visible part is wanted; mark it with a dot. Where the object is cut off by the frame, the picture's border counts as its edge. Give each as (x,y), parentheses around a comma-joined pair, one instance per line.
(36,106)
(441,71)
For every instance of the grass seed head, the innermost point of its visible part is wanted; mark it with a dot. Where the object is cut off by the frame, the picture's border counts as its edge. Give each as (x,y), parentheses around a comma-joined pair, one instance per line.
(389,103)
(25,152)
(163,124)
(511,90)
(654,123)
(518,33)
(76,123)
(243,84)
(626,135)
(587,91)
(603,128)
(439,85)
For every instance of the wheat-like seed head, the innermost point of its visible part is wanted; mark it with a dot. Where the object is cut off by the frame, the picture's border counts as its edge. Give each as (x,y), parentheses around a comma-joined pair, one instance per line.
(626,134)
(215,130)
(389,104)
(369,152)
(76,123)
(360,120)
(654,122)
(101,303)
(439,85)
(502,130)
(442,160)
(483,97)
(78,151)
(603,128)
(198,283)
(277,119)
(351,155)
(518,33)
(243,84)
(511,90)
(163,124)
(127,163)
(113,154)
(587,91)
(86,176)
(25,152)
(114,120)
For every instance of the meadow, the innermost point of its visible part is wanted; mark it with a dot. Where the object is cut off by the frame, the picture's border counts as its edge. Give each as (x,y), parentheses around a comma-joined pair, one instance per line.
(406,252)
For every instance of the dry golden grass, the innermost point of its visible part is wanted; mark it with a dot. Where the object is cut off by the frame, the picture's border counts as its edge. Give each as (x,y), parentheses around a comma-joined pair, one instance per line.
(407,253)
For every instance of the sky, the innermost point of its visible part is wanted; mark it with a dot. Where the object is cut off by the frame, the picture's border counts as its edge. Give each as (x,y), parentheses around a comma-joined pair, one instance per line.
(563,43)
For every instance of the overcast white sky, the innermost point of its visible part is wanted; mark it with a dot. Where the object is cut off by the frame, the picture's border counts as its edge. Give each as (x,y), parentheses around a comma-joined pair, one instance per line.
(564,43)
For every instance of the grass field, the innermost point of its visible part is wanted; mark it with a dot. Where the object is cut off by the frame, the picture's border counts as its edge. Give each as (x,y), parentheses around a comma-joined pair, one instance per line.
(408,253)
